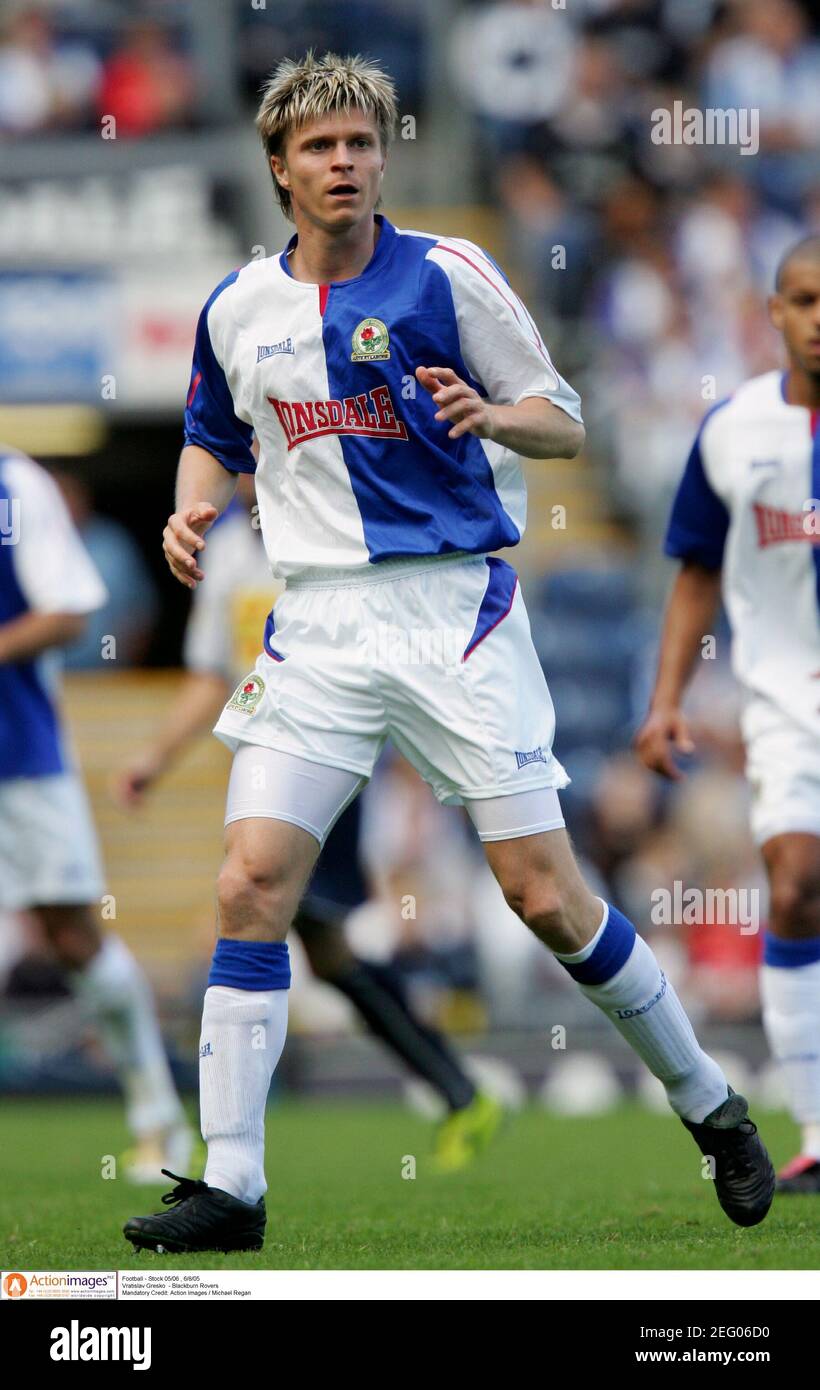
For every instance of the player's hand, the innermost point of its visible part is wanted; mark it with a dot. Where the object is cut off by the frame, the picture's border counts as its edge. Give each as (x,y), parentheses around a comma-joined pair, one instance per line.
(663,732)
(469,412)
(129,785)
(182,539)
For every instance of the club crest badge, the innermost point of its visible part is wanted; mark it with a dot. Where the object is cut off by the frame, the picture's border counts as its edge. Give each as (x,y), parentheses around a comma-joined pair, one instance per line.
(247,695)
(371,342)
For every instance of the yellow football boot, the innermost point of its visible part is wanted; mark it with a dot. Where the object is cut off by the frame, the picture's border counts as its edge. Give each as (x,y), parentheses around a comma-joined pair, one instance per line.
(466,1133)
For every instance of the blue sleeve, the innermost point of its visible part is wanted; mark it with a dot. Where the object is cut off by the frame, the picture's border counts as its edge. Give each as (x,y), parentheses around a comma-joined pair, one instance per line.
(210,418)
(699,519)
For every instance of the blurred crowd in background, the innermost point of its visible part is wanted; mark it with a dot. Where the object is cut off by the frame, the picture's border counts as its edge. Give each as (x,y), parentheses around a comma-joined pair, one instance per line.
(647,267)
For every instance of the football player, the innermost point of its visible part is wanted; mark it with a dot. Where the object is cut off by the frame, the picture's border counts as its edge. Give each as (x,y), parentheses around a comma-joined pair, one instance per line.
(746,520)
(392,379)
(48,845)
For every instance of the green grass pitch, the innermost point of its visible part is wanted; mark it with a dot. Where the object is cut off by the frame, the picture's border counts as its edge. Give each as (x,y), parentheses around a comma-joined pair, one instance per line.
(621,1191)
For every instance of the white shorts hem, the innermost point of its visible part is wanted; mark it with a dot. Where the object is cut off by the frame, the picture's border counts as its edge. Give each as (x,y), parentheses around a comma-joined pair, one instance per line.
(539,828)
(234,741)
(796,824)
(256,814)
(86,895)
(468,794)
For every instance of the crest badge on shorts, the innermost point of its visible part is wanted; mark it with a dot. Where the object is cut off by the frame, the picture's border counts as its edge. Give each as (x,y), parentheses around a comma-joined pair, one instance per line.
(247,695)
(371,341)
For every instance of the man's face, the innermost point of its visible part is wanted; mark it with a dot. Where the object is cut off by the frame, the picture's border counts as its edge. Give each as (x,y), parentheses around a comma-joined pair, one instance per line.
(333,169)
(795,312)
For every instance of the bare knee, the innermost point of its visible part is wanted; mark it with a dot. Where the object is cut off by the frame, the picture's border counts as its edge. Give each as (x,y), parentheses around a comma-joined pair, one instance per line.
(252,897)
(538,901)
(542,884)
(557,907)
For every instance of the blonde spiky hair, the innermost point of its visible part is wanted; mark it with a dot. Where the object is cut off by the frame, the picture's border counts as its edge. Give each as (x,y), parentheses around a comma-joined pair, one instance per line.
(299,92)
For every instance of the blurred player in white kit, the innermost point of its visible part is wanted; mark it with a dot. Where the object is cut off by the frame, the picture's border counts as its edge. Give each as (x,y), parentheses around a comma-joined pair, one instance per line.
(747,518)
(48,845)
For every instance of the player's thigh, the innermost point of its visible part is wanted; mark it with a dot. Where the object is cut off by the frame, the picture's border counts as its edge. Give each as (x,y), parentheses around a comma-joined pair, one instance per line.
(280,786)
(280,809)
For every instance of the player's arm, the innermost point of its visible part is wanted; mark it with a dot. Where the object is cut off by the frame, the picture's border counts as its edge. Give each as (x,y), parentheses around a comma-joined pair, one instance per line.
(533,427)
(54,571)
(204,489)
(26,637)
(509,390)
(207,683)
(218,444)
(690,613)
(195,708)
(696,535)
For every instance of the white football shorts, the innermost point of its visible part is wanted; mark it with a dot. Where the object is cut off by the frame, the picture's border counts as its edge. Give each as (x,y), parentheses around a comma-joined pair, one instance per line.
(48,844)
(435,654)
(783,769)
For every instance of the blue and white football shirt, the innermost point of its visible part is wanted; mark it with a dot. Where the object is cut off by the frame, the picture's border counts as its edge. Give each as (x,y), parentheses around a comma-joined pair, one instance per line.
(43,567)
(353,467)
(749,502)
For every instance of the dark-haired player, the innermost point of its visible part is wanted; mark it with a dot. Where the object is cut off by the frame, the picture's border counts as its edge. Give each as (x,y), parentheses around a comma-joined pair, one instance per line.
(747,518)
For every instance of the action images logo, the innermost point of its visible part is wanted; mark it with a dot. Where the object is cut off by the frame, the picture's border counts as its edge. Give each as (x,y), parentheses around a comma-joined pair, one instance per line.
(371,413)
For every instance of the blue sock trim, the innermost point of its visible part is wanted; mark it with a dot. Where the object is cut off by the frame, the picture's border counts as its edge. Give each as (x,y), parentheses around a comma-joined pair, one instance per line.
(612,952)
(250,964)
(790,955)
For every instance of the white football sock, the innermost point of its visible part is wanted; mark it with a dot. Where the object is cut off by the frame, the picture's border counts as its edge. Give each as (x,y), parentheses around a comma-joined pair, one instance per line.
(118,997)
(791,1020)
(645,1009)
(243,1033)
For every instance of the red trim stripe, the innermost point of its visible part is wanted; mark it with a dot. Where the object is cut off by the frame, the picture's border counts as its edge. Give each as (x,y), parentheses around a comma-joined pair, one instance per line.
(440,246)
(324,291)
(194,388)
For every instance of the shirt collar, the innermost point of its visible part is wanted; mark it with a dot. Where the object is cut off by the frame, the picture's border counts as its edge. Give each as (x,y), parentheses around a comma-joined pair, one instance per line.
(383,248)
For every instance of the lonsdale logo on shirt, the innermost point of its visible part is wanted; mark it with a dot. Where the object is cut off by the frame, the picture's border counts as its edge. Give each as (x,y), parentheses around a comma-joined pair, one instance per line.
(371,413)
(247,695)
(775,525)
(371,341)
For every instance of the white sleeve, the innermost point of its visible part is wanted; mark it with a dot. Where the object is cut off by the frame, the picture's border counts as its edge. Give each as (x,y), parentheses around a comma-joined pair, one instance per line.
(500,344)
(53,568)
